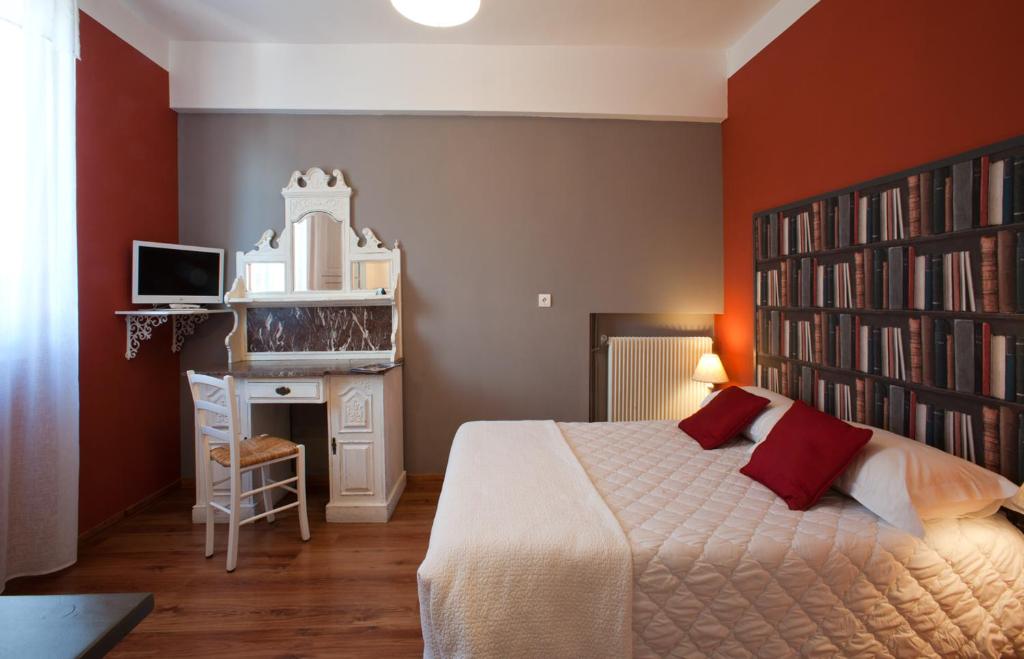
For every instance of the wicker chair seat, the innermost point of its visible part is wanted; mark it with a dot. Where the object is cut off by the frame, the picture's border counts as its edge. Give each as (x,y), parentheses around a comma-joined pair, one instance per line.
(259,449)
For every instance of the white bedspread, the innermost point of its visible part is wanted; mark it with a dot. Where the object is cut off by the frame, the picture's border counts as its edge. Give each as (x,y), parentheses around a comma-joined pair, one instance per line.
(722,567)
(525,558)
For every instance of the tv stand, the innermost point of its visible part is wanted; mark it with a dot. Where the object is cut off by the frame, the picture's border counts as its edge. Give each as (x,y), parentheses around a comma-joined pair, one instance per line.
(140,323)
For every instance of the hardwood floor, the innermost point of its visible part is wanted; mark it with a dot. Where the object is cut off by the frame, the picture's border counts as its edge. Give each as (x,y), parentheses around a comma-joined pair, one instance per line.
(348,592)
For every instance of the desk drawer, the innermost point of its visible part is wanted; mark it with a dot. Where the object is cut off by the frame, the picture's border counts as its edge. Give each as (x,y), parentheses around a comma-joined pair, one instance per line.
(309,390)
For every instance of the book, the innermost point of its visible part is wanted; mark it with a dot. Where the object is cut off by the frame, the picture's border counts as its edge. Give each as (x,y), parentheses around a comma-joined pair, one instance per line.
(995,192)
(1008,444)
(895,278)
(1006,276)
(941,377)
(817,338)
(915,349)
(858,277)
(1019,269)
(927,351)
(1018,389)
(950,361)
(1018,189)
(896,420)
(963,350)
(997,367)
(938,201)
(914,205)
(1020,448)
(938,282)
(981,196)
(990,424)
(845,341)
(985,363)
(844,221)
(962,188)
(989,288)
(948,203)
(816,225)
(925,195)
(1010,370)
(1008,173)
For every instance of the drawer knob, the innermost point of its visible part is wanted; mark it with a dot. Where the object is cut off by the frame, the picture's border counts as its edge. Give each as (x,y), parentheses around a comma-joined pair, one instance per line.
(283,391)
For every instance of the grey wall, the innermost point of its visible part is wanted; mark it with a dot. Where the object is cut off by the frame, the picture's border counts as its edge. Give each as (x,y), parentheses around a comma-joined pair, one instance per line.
(607,216)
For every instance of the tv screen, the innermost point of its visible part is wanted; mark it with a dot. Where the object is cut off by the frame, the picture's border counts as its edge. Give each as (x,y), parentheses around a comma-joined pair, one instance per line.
(176,273)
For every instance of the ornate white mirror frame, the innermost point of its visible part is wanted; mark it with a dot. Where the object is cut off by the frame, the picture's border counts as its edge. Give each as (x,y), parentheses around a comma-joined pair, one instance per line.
(265,276)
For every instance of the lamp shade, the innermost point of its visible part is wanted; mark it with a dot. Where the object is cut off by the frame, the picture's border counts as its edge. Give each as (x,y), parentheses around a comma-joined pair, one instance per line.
(437,13)
(709,369)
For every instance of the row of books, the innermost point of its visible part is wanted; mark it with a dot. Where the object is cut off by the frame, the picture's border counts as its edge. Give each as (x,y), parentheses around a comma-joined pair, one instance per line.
(960,355)
(897,278)
(997,445)
(973,193)
(841,341)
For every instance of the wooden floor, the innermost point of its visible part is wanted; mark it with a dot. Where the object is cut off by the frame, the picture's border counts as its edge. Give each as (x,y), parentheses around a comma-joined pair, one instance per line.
(348,592)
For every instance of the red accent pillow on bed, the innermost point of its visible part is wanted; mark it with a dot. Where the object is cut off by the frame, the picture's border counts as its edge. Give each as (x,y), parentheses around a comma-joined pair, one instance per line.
(803,454)
(722,418)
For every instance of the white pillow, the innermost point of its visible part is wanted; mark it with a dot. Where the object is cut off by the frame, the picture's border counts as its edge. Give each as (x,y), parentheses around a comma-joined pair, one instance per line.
(758,429)
(907,483)
(903,481)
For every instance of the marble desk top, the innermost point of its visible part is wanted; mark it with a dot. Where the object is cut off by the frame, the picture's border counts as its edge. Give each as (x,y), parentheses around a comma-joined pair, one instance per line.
(296,368)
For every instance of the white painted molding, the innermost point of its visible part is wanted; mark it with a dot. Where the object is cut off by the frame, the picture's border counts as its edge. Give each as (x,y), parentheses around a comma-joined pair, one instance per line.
(120,20)
(575,81)
(764,31)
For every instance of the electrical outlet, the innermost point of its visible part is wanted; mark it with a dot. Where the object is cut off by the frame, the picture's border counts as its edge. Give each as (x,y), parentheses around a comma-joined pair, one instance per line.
(544,299)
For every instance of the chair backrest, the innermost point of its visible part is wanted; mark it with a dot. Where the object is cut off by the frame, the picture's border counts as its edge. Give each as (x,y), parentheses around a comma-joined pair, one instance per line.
(216,413)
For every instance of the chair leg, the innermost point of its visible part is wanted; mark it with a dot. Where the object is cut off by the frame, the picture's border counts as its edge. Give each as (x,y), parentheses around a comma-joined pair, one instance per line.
(233,522)
(268,496)
(300,468)
(209,508)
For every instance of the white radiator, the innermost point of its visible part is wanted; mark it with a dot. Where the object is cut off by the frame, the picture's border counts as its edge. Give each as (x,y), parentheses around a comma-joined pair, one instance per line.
(649,377)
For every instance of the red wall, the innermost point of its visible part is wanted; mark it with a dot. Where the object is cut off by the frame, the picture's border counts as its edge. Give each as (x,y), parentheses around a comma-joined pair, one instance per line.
(854,90)
(127,190)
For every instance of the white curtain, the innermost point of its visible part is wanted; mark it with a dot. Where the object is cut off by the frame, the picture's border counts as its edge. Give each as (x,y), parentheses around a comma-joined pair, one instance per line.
(38,288)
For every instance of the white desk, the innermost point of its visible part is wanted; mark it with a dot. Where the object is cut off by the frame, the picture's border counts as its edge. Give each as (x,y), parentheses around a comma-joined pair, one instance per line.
(364,421)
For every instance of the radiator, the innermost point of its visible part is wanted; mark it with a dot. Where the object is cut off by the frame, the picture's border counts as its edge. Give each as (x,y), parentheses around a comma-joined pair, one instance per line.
(649,377)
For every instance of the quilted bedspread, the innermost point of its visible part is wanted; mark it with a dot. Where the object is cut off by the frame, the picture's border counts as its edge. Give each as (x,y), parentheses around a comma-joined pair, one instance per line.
(722,567)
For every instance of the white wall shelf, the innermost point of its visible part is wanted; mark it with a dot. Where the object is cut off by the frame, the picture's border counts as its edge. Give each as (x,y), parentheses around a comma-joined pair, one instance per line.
(140,323)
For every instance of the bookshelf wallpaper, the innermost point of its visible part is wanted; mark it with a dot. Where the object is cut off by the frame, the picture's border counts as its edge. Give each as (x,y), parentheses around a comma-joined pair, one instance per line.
(899,303)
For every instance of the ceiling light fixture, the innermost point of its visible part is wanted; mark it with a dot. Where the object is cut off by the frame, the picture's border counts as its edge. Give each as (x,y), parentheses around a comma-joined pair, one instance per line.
(437,13)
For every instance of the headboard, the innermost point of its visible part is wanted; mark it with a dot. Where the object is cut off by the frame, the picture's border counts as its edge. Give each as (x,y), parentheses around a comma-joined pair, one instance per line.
(899,303)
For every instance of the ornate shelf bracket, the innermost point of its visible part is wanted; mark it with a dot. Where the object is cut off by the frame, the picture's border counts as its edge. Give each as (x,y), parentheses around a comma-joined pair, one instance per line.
(140,324)
(185,326)
(140,328)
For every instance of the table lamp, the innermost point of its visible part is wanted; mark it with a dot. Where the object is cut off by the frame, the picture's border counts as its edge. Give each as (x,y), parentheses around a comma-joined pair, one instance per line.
(710,370)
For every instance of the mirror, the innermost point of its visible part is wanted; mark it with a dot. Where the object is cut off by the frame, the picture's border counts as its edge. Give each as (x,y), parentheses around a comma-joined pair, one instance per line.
(265,277)
(371,275)
(316,258)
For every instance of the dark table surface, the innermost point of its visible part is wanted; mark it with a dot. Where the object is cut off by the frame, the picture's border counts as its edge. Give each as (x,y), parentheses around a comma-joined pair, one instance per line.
(68,625)
(291,368)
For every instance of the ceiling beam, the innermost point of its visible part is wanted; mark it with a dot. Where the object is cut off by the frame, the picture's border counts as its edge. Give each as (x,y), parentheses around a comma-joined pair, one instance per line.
(634,83)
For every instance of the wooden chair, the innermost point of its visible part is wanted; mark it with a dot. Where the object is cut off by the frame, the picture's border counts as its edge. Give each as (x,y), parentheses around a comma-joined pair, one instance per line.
(217,427)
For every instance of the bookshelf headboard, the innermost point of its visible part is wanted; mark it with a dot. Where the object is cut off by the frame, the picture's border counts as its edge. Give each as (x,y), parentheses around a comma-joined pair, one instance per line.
(899,303)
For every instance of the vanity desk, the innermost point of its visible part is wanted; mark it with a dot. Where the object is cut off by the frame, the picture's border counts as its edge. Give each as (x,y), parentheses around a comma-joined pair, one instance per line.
(318,321)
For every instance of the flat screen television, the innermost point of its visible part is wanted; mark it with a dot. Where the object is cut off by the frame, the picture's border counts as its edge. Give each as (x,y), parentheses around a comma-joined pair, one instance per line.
(163,273)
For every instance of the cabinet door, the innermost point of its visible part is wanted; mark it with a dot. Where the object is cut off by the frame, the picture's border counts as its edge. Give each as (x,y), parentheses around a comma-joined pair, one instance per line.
(357,467)
(356,425)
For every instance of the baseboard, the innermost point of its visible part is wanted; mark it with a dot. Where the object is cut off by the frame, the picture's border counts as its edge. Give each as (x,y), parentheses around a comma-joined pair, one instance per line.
(425,479)
(136,507)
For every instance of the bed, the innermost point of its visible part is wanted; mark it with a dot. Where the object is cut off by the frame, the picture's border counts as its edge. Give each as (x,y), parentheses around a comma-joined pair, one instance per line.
(628,539)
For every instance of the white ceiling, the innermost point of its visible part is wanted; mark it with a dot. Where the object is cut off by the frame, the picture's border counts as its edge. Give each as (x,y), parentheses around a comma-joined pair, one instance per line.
(714,24)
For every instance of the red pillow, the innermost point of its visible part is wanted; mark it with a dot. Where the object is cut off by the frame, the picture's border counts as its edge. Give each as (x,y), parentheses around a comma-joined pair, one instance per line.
(803,454)
(723,417)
